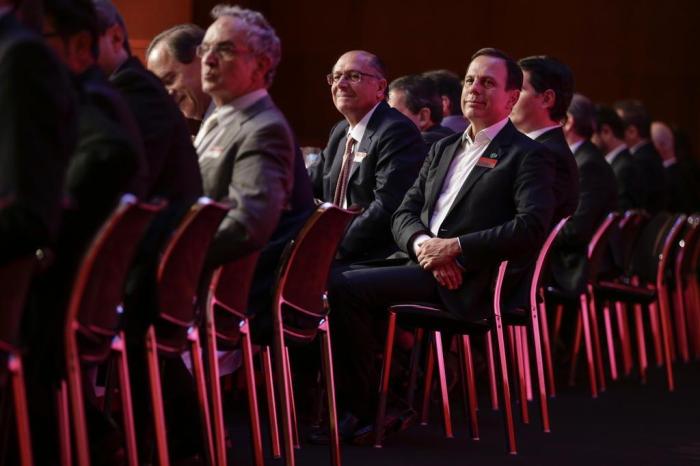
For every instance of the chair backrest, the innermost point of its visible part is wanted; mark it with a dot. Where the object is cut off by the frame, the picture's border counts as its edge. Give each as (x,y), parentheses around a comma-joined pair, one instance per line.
(180,265)
(623,242)
(649,245)
(597,247)
(98,288)
(302,277)
(15,278)
(542,261)
(688,248)
(228,295)
(665,257)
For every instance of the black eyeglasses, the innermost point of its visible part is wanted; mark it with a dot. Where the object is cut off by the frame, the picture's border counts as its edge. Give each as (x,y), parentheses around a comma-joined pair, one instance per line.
(353,76)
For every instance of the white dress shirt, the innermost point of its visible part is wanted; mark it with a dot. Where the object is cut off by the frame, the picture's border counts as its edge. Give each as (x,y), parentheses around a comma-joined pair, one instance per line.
(612,155)
(538,132)
(574,147)
(636,147)
(460,168)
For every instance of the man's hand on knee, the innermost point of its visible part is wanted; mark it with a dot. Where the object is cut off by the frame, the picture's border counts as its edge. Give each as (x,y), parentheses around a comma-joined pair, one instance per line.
(448,275)
(438,251)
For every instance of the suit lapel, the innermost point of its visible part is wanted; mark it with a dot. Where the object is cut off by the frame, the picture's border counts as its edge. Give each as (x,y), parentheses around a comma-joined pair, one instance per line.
(495,150)
(364,145)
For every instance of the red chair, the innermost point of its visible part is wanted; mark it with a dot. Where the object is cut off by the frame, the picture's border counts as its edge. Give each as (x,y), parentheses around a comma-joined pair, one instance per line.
(650,289)
(435,320)
(15,278)
(687,313)
(175,325)
(300,313)
(92,323)
(228,327)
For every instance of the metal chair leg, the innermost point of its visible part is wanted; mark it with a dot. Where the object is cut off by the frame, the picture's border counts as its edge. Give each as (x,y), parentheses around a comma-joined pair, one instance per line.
(271,402)
(428,384)
(198,372)
(285,393)
(384,380)
(292,401)
(610,341)
(413,374)
(680,318)
(546,350)
(445,398)
(491,366)
(597,351)
(526,363)
(253,411)
(576,348)
(119,349)
(656,334)
(64,433)
(620,313)
(641,343)
(520,365)
(589,348)
(540,358)
(667,335)
(505,386)
(156,397)
(215,389)
(327,355)
(77,404)
(19,395)
(469,386)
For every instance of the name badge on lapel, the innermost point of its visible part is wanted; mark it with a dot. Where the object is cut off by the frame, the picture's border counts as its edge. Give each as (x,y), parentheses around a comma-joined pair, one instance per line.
(359,156)
(487,162)
(213,152)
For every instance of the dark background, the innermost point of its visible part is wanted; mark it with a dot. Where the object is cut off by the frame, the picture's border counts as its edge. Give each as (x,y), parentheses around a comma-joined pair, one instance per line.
(617,49)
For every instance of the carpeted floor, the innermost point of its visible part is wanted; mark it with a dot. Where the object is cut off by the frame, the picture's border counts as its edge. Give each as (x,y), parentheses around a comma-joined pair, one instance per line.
(629,424)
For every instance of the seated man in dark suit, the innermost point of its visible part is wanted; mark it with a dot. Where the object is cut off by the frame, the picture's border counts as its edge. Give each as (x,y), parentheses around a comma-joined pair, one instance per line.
(598,197)
(171,56)
(481,197)
(679,190)
(416,97)
(371,159)
(450,89)
(632,192)
(37,133)
(547,89)
(637,136)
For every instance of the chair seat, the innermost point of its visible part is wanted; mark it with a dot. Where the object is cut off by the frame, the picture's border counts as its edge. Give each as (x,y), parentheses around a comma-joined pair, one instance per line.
(431,317)
(516,316)
(561,296)
(616,291)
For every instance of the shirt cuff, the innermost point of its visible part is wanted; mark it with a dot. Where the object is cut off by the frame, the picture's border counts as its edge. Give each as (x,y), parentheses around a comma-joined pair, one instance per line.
(420,239)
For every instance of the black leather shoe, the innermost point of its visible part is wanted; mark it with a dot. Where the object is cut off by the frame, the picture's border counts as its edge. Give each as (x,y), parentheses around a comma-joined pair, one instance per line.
(347,425)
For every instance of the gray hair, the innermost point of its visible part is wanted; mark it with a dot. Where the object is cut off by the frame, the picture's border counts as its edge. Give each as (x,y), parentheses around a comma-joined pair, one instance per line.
(261,37)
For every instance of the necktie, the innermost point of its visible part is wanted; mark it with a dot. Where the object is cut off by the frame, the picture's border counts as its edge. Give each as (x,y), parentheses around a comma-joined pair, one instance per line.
(342,185)
(209,125)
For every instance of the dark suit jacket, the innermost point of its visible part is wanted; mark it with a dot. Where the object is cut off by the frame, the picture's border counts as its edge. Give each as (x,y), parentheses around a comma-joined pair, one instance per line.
(632,191)
(395,152)
(598,196)
(257,167)
(654,176)
(173,172)
(434,134)
(500,213)
(38,129)
(566,179)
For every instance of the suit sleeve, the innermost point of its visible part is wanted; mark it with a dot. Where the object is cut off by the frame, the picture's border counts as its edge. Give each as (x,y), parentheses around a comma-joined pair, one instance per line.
(401,153)
(406,223)
(534,205)
(258,190)
(34,147)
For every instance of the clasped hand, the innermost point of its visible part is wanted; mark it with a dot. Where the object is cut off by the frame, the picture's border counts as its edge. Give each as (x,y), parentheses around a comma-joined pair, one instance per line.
(438,255)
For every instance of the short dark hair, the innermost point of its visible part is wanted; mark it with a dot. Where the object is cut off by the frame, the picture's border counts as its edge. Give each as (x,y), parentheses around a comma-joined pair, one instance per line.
(181,40)
(635,114)
(419,91)
(108,16)
(582,114)
(448,85)
(69,17)
(514,75)
(549,73)
(607,116)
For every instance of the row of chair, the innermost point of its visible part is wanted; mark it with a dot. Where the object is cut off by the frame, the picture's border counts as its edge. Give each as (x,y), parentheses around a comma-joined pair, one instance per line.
(658,259)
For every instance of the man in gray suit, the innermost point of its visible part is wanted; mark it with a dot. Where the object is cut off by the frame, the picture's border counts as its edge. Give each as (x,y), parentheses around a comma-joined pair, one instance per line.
(247,152)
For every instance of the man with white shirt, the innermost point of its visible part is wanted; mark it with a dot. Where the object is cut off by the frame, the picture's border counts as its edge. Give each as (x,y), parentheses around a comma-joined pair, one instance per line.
(247,152)
(547,89)
(372,157)
(609,136)
(481,197)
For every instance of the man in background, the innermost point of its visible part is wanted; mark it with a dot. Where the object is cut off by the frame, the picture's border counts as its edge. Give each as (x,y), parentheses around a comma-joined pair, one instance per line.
(450,89)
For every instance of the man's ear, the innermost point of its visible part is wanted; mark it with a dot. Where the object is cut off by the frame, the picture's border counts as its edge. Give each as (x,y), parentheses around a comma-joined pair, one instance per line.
(381,89)
(424,118)
(83,50)
(549,98)
(264,64)
(446,107)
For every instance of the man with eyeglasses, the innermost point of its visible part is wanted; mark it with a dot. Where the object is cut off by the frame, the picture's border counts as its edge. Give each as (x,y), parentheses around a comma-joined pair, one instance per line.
(247,151)
(371,159)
